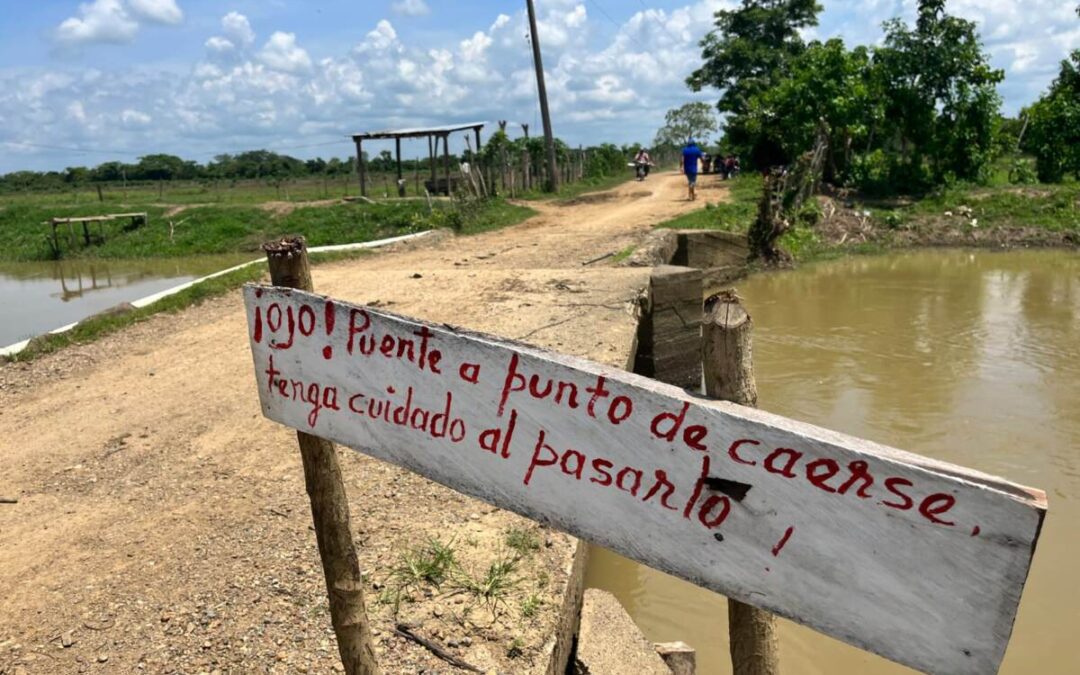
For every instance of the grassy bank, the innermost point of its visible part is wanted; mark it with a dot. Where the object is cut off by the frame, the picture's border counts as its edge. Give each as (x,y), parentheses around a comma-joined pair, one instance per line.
(999,215)
(733,215)
(183,231)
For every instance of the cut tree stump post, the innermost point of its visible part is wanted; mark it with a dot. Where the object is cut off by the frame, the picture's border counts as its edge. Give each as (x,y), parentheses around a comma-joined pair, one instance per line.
(289,267)
(727,360)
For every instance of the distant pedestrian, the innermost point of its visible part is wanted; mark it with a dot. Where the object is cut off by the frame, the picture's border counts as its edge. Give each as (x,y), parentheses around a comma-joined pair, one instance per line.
(691,159)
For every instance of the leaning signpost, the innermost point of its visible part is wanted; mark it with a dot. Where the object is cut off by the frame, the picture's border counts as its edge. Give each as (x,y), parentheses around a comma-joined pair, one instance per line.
(920,561)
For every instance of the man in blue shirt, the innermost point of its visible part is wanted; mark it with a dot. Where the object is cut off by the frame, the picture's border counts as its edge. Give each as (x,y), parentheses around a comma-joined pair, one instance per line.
(691,157)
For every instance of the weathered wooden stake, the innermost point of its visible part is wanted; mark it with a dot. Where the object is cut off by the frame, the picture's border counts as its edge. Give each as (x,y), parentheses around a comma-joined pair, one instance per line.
(728,365)
(289,267)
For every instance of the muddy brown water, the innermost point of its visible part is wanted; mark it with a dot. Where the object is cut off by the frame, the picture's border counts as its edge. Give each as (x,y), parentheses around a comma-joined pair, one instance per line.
(969,357)
(41,296)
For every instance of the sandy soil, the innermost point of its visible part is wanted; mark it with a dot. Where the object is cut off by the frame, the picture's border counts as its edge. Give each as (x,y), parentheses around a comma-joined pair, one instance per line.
(162,524)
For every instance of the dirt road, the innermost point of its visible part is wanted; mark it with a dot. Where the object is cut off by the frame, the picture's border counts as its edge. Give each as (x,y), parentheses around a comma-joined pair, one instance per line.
(162,524)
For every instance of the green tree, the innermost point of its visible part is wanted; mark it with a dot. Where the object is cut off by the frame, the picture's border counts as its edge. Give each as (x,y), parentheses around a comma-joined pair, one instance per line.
(826,82)
(691,120)
(750,47)
(159,167)
(747,53)
(940,97)
(1053,134)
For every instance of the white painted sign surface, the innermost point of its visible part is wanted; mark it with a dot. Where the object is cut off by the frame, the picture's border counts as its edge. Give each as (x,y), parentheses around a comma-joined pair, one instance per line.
(920,561)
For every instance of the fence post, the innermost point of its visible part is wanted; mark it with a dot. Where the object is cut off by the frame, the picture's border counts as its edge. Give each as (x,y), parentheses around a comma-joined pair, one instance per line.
(289,267)
(727,361)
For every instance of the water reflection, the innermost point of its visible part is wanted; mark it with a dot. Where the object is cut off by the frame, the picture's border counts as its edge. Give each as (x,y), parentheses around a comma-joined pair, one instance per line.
(40,296)
(967,357)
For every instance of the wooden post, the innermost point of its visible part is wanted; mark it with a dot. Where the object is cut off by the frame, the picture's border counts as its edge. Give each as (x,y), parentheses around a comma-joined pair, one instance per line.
(416,175)
(431,159)
(541,88)
(478,145)
(360,167)
(289,267)
(728,365)
(100,196)
(400,176)
(446,161)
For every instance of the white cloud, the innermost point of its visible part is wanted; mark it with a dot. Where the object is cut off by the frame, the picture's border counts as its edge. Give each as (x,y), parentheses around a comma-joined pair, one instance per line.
(158,11)
(135,118)
(220,45)
(381,39)
(98,21)
(236,26)
(282,53)
(411,7)
(76,111)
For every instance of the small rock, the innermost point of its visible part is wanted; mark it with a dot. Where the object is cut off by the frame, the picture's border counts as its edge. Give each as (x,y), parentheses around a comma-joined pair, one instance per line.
(102,658)
(67,640)
(465,641)
(281,656)
(438,611)
(417,276)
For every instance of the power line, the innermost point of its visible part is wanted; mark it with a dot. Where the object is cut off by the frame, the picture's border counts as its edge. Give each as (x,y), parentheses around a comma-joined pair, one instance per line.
(607,16)
(88,151)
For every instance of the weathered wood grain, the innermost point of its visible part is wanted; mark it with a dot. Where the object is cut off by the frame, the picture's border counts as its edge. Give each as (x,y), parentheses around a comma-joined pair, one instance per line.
(917,560)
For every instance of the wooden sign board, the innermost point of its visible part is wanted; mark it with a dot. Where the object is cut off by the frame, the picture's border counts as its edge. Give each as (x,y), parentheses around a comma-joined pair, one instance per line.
(917,560)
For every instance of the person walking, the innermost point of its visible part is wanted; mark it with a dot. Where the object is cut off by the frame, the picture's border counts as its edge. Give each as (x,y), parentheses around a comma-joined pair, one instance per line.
(690,161)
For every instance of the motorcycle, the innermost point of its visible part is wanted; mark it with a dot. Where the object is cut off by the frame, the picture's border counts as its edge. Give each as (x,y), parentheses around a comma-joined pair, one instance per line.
(641,169)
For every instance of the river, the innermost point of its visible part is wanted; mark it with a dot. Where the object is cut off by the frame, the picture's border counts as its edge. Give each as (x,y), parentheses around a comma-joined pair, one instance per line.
(969,357)
(41,296)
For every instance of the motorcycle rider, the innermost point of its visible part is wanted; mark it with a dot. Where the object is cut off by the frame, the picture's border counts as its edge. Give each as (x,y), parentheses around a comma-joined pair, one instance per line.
(642,163)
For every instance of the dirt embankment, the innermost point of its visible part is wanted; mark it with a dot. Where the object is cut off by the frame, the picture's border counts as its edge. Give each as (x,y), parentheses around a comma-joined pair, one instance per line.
(162,524)
(846,224)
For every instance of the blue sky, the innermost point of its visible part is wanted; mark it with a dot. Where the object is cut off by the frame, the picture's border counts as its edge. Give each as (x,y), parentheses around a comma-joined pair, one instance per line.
(83,83)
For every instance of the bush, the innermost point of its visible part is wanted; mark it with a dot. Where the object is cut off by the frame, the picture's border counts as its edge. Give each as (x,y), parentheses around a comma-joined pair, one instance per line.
(1022,173)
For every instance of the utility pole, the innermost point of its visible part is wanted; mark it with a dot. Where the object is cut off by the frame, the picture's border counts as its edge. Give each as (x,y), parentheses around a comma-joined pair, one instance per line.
(549,137)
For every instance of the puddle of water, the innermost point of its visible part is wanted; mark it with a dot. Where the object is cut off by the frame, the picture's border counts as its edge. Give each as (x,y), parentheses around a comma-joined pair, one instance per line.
(969,357)
(40,296)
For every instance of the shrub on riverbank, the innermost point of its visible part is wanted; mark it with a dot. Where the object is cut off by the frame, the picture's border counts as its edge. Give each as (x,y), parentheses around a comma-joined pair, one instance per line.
(961,215)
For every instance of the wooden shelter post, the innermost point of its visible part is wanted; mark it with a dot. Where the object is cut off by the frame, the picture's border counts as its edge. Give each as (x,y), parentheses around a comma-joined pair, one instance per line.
(446,161)
(360,167)
(431,158)
(478,145)
(400,176)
